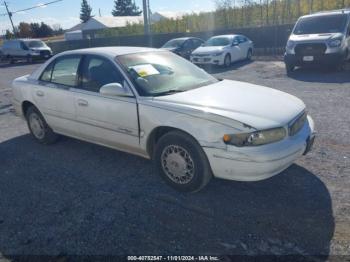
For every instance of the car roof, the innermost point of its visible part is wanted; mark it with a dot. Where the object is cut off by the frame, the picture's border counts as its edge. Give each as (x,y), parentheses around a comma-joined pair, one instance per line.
(330,12)
(185,38)
(111,51)
(228,36)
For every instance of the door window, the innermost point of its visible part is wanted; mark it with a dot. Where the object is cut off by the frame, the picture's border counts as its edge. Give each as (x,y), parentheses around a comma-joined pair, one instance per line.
(188,44)
(65,71)
(46,75)
(97,72)
(197,43)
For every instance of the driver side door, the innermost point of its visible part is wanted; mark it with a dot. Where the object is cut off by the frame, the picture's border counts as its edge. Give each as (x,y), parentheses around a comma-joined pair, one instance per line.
(107,120)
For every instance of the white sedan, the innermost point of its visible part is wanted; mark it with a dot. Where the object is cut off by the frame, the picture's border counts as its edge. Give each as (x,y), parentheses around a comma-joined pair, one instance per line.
(157,105)
(223,50)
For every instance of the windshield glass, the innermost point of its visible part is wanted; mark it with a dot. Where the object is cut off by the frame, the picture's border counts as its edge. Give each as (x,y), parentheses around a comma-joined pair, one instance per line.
(163,73)
(34,44)
(174,43)
(321,24)
(218,41)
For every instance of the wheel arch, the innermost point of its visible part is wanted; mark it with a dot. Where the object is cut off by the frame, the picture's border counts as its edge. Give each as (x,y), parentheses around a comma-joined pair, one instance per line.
(26,105)
(160,131)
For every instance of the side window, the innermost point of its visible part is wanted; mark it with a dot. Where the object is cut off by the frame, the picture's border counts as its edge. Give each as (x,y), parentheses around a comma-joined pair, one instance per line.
(97,72)
(65,71)
(197,43)
(188,44)
(23,46)
(46,75)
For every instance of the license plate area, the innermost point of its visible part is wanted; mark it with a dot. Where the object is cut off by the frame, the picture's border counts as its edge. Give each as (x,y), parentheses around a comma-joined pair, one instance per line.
(308,58)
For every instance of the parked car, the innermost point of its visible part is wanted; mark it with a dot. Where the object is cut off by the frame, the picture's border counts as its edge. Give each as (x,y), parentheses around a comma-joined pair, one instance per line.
(29,49)
(155,104)
(321,38)
(183,46)
(223,50)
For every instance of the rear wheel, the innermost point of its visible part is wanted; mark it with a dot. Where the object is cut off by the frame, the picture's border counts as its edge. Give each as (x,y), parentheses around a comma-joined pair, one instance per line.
(289,68)
(39,128)
(181,162)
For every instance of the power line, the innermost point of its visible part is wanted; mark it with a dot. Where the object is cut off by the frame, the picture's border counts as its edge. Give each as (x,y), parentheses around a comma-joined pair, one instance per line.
(37,6)
(9,14)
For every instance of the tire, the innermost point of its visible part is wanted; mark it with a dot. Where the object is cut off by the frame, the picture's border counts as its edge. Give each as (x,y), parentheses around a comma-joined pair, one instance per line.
(39,128)
(249,55)
(289,68)
(175,151)
(227,60)
(29,59)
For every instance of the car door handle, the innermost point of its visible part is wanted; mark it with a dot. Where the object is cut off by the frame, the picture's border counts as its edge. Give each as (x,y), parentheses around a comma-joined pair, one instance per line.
(82,102)
(40,93)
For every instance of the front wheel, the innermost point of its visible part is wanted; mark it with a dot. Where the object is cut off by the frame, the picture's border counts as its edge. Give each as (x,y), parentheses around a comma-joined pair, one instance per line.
(181,162)
(249,54)
(227,60)
(39,128)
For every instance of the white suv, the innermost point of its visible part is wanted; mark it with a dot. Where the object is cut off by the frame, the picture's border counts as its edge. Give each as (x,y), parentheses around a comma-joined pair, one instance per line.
(320,38)
(29,49)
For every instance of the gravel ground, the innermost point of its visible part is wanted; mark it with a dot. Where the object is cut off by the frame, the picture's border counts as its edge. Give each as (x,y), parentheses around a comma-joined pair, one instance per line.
(76,198)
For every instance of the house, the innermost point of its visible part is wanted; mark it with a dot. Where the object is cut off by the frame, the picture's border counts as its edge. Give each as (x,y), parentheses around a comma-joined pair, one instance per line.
(94,24)
(90,28)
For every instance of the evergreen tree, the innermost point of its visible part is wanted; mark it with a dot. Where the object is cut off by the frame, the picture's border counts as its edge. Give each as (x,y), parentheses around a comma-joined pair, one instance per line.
(125,8)
(85,11)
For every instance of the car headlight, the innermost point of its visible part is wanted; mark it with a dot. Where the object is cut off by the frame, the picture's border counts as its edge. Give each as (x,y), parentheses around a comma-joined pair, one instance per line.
(290,44)
(217,54)
(335,42)
(256,138)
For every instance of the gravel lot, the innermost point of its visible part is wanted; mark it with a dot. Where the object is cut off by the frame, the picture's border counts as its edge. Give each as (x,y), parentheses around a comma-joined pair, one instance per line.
(76,198)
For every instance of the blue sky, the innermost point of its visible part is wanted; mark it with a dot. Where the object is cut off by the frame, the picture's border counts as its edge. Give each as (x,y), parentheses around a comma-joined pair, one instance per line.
(66,13)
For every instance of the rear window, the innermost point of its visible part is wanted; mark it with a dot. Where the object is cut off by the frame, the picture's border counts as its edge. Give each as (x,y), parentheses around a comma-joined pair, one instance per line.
(321,24)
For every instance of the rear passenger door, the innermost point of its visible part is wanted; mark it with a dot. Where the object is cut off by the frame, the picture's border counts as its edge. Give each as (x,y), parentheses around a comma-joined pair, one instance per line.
(53,94)
(108,120)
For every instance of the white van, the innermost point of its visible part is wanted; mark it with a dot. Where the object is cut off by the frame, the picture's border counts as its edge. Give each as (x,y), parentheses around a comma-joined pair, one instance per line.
(320,38)
(29,49)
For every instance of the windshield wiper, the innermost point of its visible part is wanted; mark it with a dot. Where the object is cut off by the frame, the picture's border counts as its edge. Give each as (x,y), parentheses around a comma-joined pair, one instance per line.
(169,92)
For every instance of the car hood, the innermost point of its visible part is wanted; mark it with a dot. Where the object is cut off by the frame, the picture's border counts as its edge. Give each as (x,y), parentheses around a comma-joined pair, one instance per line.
(257,106)
(314,37)
(208,49)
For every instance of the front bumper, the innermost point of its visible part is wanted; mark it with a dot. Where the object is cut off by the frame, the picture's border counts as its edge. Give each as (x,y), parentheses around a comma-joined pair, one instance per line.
(327,59)
(261,162)
(208,60)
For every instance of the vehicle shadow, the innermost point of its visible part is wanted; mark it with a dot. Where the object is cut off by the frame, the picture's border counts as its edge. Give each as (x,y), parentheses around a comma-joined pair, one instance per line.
(321,75)
(76,198)
(213,69)
(18,64)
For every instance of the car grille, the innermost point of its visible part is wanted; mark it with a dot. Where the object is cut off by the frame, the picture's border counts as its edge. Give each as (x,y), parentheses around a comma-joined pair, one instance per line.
(311,49)
(201,55)
(297,124)
(44,52)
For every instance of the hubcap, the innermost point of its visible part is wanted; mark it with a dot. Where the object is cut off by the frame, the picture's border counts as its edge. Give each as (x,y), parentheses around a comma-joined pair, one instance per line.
(37,126)
(177,164)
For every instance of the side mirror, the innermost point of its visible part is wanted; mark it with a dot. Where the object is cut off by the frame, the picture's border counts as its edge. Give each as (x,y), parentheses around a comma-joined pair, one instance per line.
(235,43)
(115,89)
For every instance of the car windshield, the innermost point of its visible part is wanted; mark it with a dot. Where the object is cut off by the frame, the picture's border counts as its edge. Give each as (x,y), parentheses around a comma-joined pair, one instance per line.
(174,43)
(218,41)
(321,24)
(34,44)
(163,73)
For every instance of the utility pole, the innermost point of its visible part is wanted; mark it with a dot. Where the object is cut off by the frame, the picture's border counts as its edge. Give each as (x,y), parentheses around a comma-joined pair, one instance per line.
(10,16)
(146,17)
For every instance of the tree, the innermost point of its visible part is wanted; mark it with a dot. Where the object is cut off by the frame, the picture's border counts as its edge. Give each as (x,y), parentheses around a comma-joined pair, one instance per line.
(125,8)
(41,30)
(9,35)
(24,30)
(85,11)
